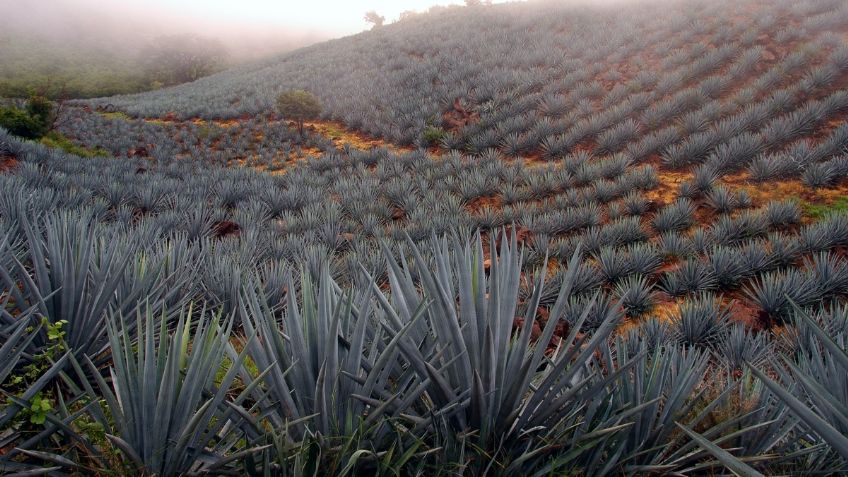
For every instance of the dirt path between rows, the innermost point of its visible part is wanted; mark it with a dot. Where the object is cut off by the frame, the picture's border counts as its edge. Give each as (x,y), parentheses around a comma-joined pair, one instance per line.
(341,136)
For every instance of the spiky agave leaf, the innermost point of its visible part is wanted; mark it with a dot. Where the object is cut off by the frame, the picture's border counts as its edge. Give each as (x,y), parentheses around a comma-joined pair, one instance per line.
(170,414)
(74,274)
(740,345)
(721,199)
(657,390)
(693,276)
(613,264)
(636,295)
(15,340)
(483,381)
(822,373)
(676,216)
(775,291)
(701,321)
(330,370)
(727,459)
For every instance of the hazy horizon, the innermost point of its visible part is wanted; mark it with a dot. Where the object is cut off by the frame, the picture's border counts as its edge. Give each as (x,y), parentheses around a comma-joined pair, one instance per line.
(249,29)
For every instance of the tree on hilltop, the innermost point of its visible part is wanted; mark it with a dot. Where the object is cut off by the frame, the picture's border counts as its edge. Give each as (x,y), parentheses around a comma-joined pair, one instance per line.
(376,19)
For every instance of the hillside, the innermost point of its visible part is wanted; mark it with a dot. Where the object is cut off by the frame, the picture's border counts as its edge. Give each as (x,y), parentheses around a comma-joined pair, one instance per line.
(29,62)
(523,239)
(82,49)
(509,60)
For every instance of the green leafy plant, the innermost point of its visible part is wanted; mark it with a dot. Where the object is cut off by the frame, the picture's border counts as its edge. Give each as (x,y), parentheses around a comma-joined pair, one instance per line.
(432,136)
(39,408)
(819,211)
(57,140)
(298,105)
(32,122)
(20,123)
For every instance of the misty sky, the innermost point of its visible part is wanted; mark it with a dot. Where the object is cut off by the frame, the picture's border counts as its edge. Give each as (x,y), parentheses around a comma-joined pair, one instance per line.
(248,28)
(331,16)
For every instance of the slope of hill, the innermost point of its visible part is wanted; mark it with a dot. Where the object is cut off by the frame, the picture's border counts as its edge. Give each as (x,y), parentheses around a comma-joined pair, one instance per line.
(662,291)
(517,61)
(54,68)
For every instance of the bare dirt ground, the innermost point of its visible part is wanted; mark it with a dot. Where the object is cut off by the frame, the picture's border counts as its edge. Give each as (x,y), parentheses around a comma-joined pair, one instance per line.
(762,193)
(7,163)
(341,136)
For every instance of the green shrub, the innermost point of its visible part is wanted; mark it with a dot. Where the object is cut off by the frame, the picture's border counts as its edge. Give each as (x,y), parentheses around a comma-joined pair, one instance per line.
(20,123)
(57,140)
(32,122)
(432,136)
(298,105)
(40,108)
(820,211)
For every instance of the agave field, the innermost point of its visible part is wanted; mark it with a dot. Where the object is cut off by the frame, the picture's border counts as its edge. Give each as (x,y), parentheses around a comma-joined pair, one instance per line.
(522,240)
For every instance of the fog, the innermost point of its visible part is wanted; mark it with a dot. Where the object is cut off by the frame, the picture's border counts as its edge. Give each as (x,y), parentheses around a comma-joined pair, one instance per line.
(248,28)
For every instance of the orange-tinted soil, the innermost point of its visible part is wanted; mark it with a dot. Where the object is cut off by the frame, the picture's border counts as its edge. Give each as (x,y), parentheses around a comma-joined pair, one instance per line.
(669,183)
(341,135)
(762,193)
(480,203)
(7,163)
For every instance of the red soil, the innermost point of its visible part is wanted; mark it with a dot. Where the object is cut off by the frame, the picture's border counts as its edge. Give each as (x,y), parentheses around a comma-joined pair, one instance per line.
(7,163)
(480,203)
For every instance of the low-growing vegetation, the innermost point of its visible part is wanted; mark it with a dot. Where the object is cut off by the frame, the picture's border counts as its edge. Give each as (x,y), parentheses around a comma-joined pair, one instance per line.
(819,211)
(618,249)
(62,66)
(57,140)
(31,121)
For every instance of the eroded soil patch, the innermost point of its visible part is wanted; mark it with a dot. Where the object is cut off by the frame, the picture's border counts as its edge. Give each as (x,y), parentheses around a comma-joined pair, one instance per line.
(669,185)
(779,190)
(8,163)
(341,136)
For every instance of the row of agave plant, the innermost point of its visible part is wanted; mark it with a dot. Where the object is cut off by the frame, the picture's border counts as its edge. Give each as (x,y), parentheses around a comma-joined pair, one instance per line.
(582,74)
(111,365)
(336,208)
(256,142)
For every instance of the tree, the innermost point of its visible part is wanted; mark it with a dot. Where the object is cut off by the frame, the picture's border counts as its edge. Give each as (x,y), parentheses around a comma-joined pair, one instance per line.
(298,105)
(32,122)
(373,17)
(19,123)
(179,59)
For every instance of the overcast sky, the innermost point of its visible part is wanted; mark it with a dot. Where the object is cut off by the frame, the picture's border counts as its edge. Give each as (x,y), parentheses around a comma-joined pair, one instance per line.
(247,27)
(333,16)
(328,17)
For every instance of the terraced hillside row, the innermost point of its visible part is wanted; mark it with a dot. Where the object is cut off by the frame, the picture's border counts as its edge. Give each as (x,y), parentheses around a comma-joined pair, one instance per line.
(538,73)
(669,157)
(260,142)
(260,248)
(658,286)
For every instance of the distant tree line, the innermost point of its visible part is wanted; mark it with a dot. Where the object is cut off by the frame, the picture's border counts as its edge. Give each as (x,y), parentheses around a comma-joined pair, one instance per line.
(175,59)
(376,20)
(33,66)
